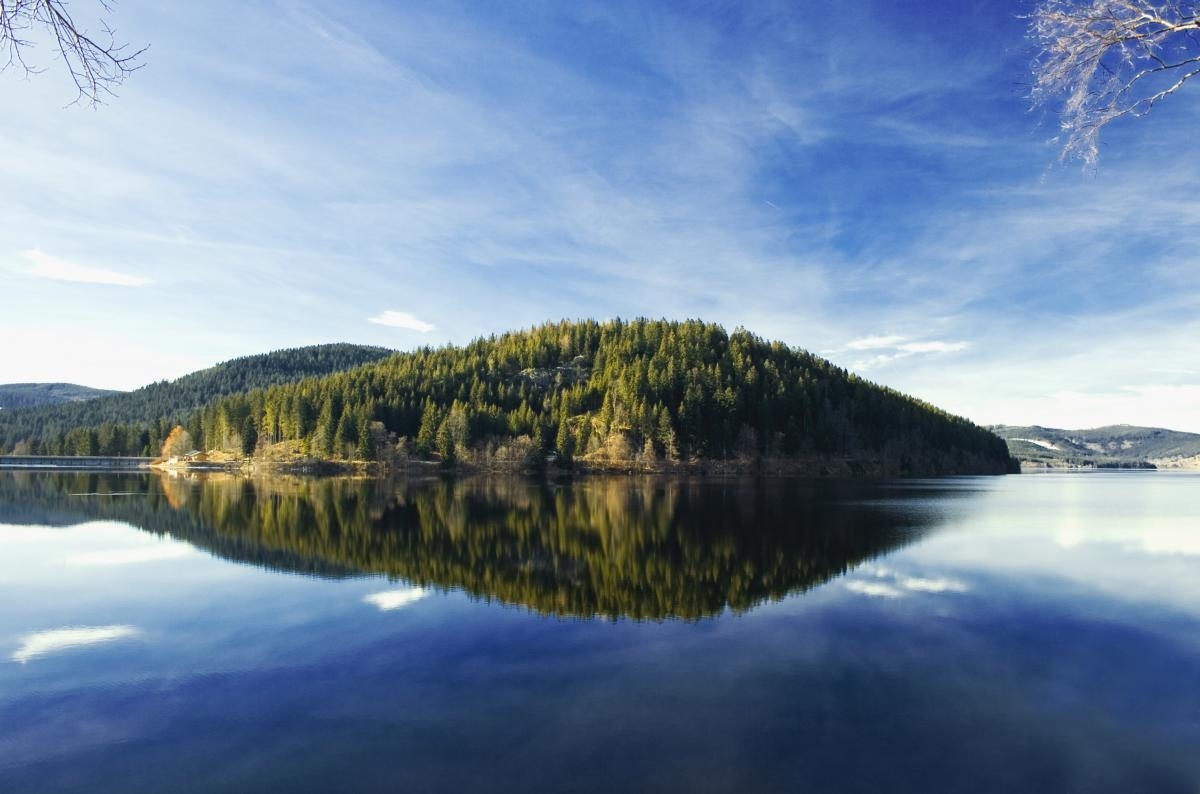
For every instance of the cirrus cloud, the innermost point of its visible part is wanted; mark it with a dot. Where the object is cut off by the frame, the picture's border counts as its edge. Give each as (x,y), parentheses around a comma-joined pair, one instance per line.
(890,347)
(874,342)
(395,319)
(46,266)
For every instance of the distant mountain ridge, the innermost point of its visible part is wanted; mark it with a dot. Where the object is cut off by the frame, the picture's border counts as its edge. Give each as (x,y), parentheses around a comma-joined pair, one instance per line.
(134,423)
(1114,445)
(14,396)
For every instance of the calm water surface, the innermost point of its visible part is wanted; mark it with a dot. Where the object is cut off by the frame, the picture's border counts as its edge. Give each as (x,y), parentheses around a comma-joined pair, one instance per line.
(1033,633)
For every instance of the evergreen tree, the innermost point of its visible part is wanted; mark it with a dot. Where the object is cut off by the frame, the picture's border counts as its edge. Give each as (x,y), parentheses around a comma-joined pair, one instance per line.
(596,391)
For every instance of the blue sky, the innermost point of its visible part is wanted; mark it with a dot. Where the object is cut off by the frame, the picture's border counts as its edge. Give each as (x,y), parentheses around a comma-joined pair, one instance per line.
(861,180)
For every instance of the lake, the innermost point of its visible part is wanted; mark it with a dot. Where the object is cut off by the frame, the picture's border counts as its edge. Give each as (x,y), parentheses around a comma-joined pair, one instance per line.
(1029,633)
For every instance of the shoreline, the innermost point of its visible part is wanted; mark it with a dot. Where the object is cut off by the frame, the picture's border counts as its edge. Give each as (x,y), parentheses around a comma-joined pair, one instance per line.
(815,467)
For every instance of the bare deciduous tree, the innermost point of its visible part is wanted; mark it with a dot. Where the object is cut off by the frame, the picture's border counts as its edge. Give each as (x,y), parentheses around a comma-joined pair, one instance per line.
(1106,59)
(97,63)
(177,444)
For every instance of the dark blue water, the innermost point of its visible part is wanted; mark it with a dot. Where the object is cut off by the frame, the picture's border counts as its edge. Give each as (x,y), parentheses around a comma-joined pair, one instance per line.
(1033,633)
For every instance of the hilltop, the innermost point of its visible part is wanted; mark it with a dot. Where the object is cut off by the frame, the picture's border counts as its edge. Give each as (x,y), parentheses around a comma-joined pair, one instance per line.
(135,423)
(646,394)
(14,396)
(1112,446)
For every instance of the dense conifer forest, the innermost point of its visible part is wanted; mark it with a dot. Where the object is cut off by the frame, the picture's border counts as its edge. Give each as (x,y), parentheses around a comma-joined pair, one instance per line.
(135,423)
(33,395)
(605,394)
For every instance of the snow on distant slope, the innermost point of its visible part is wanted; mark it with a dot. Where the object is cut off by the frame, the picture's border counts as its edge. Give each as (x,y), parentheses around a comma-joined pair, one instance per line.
(1038,442)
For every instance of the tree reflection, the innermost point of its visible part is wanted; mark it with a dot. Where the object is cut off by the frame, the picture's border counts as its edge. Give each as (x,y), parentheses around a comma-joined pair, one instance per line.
(643,549)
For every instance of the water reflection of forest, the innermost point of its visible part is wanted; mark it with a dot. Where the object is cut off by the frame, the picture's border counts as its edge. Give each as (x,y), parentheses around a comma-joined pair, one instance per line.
(645,549)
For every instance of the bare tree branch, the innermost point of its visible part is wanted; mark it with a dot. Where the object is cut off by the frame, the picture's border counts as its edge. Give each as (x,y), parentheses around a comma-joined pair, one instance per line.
(1101,60)
(96,63)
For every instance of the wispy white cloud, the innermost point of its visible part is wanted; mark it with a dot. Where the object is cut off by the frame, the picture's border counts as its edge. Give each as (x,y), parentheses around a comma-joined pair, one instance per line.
(42,643)
(914,348)
(395,319)
(874,342)
(899,343)
(46,266)
(337,37)
(931,136)
(388,600)
(893,347)
(482,171)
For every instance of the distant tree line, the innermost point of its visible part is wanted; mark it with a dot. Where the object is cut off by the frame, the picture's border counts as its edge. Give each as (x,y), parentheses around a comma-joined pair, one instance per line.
(136,423)
(32,395)
(612,391)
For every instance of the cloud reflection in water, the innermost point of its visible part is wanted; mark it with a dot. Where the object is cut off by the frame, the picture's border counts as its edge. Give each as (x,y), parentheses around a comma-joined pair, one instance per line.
(877,587)
(41,643)
(172,551)
(388,600)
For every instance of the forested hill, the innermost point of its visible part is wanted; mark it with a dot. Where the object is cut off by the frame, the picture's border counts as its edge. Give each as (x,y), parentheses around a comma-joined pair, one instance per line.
(33,395)
(604,393)
(1115,445)
(135,423)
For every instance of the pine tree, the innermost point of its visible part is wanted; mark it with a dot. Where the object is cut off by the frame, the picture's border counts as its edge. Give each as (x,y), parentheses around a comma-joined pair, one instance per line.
(364,449)
(564,441)
(430,422)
